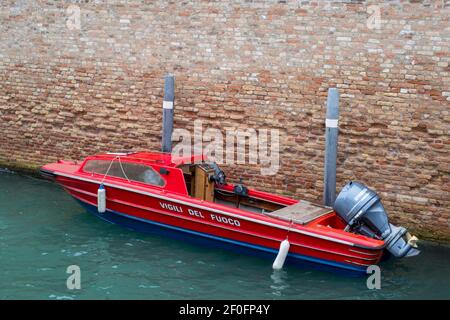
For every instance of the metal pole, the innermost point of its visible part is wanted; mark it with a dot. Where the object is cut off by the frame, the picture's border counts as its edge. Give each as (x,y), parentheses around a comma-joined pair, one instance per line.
(169,97)
(332,129)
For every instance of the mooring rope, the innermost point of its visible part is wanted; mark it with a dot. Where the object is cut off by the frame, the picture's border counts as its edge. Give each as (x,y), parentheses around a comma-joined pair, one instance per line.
(109,168)
(123,171)
(289,228)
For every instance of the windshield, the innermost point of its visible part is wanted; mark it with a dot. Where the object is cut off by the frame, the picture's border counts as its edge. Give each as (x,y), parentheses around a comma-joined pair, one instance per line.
(131,171)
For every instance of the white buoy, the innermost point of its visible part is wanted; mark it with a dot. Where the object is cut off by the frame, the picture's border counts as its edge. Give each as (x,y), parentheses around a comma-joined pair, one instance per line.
(101,199)
(282,254)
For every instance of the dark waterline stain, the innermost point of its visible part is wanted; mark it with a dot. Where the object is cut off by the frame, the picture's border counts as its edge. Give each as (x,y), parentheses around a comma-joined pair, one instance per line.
(43,231)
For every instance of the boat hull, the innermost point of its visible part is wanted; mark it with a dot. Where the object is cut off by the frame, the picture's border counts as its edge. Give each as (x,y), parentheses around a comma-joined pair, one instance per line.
(205,223)
(212,241)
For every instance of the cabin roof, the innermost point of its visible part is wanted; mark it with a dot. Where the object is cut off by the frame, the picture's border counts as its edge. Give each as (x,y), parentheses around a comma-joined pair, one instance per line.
(161,158)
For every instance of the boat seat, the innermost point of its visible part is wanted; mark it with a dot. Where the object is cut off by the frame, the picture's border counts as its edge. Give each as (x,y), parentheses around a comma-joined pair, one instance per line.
(301,212)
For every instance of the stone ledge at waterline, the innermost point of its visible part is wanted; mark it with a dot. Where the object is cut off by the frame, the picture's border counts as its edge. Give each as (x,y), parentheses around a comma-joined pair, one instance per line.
(423,232)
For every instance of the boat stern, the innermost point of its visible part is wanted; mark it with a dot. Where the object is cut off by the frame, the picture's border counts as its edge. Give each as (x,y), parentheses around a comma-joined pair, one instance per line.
(362,210)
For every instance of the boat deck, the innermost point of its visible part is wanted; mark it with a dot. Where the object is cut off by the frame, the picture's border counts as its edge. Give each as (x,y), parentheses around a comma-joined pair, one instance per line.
(302,212)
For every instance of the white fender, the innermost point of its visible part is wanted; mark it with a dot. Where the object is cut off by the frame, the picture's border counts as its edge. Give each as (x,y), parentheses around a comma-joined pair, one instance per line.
(282,254)
(101,199)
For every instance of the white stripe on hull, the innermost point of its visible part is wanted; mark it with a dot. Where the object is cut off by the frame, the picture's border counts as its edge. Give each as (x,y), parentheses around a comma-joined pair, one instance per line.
(191,204)
(154,210)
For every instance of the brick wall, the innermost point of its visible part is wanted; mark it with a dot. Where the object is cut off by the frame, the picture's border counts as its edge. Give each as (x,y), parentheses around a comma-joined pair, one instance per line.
(67,92)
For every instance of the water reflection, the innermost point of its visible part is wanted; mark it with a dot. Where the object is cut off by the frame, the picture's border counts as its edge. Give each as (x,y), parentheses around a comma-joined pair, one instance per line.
(121,264)
(279,282)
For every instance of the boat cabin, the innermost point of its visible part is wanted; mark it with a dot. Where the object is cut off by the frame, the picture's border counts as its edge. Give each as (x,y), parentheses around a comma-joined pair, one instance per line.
(194,177)
(189,176)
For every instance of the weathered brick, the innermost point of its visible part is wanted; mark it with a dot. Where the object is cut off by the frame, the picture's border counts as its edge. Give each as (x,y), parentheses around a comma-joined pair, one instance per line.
(68,93)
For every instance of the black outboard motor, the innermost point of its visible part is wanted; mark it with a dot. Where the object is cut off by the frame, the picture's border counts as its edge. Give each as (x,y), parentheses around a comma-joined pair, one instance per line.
(361,208)
(219,176)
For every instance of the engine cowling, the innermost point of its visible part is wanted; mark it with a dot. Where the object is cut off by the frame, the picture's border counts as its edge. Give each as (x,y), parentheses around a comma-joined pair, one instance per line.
(364,213)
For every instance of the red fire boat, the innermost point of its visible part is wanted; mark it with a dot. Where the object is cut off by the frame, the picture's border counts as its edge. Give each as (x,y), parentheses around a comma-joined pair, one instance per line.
(187,197)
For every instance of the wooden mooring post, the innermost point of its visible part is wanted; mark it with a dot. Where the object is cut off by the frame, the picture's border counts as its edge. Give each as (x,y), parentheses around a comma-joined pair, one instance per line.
(167,126)
(331,140)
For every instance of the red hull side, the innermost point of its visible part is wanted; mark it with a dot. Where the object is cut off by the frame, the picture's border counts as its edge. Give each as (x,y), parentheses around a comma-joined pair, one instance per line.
(213,219)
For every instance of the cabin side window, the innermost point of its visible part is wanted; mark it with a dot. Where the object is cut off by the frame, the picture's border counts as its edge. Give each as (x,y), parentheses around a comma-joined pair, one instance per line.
(129,171)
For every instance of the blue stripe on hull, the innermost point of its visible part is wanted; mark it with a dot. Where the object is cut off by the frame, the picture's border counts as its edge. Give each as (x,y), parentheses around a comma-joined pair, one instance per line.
(148,226)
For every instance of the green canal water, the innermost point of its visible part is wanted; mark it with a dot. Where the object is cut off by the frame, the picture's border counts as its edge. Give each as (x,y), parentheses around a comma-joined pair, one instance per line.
(43,231)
